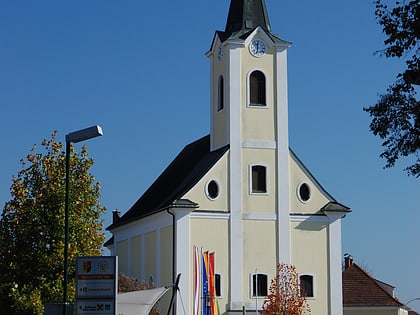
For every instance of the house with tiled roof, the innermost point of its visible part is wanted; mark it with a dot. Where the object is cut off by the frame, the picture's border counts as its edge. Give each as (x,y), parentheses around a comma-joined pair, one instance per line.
(365,295)
(239,193)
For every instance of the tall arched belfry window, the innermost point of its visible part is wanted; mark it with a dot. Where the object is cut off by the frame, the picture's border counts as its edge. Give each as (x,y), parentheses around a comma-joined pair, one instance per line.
(257,89)
(221,94)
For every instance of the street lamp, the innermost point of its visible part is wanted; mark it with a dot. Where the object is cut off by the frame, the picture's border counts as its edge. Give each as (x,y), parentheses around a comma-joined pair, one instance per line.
(74,137)
(412,300)
(415,299)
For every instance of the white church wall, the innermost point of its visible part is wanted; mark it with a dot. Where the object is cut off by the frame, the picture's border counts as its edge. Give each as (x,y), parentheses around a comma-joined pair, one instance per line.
(309,247)
(260,255)
(210,233)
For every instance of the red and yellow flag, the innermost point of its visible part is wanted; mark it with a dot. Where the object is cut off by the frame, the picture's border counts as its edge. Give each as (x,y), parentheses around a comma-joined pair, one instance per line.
(212,285)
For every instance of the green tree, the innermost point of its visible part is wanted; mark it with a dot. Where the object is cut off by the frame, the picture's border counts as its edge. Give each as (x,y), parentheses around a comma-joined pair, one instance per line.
(32,228)
(286,296)
(396,114)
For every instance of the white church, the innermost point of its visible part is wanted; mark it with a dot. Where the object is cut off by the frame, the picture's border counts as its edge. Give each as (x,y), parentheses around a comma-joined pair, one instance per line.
(240,191)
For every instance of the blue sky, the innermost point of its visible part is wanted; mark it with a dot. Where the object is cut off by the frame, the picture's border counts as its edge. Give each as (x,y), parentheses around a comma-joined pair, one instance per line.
(138,69)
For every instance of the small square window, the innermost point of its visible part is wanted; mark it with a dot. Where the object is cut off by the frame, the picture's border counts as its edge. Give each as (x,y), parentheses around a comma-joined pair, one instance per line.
(249,24)
(218,284)
(258,179)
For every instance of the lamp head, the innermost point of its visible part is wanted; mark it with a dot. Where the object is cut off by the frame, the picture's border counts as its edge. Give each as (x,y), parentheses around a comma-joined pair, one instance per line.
(84,134)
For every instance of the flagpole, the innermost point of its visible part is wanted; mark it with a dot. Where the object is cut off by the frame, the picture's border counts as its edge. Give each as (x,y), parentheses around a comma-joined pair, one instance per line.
(256,291)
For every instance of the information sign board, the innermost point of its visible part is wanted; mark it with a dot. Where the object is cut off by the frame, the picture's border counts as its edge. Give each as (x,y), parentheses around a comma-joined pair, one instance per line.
(96,277)
(96,285)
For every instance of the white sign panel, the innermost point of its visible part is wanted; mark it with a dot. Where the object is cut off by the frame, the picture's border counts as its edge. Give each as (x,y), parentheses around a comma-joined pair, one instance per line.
(96,277)
(95,307)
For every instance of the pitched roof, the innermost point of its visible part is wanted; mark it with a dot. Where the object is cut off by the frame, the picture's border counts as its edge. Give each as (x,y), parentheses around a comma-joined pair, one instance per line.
(191,164)
(361,289)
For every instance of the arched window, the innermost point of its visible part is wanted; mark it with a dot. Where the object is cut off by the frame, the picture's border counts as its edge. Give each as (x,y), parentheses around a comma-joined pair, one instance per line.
(257,89)
(259,287)
(307,284)
(258,179)
(221,94)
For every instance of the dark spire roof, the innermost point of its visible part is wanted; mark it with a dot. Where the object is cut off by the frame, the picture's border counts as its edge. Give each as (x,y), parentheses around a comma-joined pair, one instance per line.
(245,15)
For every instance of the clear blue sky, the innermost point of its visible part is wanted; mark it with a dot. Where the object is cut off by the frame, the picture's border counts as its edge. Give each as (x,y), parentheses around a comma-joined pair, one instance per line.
(138,69)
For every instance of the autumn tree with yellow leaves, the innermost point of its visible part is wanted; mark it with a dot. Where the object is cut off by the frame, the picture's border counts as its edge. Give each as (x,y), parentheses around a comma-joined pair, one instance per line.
(32,228)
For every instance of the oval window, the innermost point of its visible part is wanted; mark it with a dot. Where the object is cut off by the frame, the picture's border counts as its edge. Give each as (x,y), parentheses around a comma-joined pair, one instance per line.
(304,192)
(212,189)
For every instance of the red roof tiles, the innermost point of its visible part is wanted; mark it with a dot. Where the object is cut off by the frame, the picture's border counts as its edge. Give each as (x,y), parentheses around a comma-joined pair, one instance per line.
(361,289)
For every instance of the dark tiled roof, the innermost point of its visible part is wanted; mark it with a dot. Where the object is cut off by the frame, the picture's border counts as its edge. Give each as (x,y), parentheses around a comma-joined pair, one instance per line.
(182,174)
(361,289)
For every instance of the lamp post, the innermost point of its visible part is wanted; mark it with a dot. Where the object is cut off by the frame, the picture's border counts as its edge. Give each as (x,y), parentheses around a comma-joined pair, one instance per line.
(74,137)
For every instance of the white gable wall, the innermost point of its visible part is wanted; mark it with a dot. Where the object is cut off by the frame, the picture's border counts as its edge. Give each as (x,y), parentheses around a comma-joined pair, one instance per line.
(298,176)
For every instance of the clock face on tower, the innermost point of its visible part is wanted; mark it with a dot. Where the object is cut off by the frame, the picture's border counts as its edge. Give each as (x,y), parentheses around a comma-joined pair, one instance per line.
(257,48)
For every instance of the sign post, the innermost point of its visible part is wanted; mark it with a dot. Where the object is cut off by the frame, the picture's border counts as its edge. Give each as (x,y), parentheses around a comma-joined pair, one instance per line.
(96,285)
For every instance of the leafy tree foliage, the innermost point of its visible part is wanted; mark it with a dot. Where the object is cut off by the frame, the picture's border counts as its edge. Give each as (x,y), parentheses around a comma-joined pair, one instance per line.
(396,115)
(286,296)
(32,228)
(129,284)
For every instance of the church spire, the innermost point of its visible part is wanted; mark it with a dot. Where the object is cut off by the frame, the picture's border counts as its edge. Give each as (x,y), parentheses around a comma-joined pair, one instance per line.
(246,15)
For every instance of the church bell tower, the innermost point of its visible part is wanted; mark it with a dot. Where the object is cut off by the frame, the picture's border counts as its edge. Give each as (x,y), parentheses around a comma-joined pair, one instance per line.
(249,112)
(248,78)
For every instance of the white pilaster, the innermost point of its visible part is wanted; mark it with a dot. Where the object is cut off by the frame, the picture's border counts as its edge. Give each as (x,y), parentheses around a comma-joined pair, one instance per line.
(212,131)
(334,250)
(143,258)
(235,175)
(282,157)
(183,260)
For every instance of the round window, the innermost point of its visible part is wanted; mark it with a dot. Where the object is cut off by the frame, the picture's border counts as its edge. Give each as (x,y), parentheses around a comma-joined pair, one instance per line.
(212,189)
(304,192)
